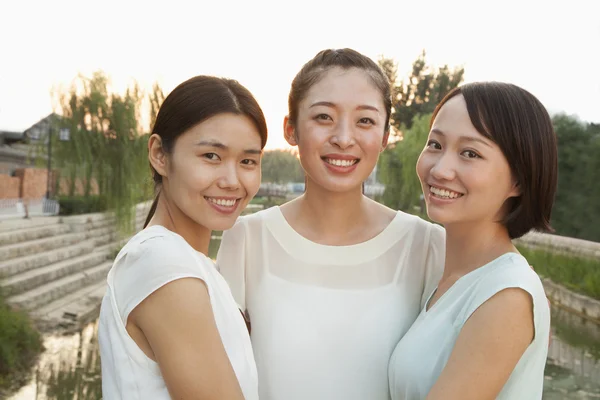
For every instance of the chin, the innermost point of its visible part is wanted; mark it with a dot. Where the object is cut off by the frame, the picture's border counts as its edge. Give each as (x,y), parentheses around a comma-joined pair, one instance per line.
(437,217)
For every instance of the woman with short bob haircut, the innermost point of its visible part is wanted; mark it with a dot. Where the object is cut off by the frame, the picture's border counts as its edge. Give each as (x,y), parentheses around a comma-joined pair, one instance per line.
(489,175)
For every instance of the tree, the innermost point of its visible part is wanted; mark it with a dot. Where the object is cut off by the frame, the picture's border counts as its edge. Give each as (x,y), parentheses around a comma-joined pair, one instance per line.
(420,91)
(576,203)
(397,169)
(413,101)
(281,166)
(107,146)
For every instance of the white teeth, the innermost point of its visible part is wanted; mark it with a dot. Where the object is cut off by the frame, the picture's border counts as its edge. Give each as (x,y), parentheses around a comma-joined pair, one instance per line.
(340,163)
(444,193)
(221,202)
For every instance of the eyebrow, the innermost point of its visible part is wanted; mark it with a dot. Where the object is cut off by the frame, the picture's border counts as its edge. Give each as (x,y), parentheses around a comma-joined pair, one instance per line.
(463,138)
(219,145)
(332,105)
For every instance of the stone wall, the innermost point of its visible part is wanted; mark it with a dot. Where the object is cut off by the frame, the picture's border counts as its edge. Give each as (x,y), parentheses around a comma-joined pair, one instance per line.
(581,305)
(561,244)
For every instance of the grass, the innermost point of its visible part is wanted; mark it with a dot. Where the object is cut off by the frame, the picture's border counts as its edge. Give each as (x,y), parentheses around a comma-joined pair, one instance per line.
(579,274)
(20,345)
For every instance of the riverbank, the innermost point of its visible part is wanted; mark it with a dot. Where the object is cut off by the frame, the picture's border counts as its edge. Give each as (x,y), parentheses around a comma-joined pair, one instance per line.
(20,346)
(571,281)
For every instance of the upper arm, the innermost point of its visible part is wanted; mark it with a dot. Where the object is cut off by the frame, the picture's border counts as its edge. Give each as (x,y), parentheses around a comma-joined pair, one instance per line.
(231,261)
(178,323)
(488,348)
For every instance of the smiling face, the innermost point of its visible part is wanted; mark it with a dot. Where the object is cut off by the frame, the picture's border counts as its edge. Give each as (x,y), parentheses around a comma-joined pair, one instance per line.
(339,129)
(465,176)
(213,170)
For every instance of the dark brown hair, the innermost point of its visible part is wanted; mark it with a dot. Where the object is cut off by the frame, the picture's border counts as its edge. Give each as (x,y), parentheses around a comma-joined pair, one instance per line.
(314,70)
(520,125)
(195,101)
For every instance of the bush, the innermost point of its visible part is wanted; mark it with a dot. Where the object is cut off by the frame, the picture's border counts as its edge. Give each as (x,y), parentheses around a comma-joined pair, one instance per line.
(82,205)
(20,344)
(579,274)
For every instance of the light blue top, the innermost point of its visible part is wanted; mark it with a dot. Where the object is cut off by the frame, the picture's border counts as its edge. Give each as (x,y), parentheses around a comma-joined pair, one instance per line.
(421,355)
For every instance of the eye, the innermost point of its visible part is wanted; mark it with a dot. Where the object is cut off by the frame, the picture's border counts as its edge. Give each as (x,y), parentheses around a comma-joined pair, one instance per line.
(248,161)
(432,144)
(366,120)
(211,156)
(470,154)
(323,117)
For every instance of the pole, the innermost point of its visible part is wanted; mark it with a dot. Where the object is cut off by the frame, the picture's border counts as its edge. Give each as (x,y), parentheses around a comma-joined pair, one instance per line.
(49,158)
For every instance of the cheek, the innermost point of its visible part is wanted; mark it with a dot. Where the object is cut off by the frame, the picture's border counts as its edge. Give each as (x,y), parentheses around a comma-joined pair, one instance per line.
(423,167)
(371,142)
(251,180)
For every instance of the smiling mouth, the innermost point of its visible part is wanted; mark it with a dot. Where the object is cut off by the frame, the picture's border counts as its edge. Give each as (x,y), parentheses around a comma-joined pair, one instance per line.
(340,163)
(444,193)
(222,202)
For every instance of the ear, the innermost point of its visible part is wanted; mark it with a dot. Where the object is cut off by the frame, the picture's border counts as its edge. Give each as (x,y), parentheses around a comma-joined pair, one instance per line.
(289,132)
(386,137)
(515,190)
(156,155)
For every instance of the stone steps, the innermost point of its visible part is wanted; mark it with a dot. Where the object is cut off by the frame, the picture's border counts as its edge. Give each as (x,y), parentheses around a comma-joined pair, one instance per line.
(30,247)
(27,223)
(13,236)
(55,267)
(57,289)
(39,276)
(23,264)
(73,309)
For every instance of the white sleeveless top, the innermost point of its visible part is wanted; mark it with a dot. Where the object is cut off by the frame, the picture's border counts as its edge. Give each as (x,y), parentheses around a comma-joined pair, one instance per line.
(422,354)
(325,319)
(151,259)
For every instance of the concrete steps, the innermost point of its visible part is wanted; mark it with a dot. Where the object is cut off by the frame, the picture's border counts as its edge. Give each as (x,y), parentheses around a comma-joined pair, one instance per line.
(55,267)
(31,279)
(77,307)
(59,288)
(25,248)
(31,233)
(23,264)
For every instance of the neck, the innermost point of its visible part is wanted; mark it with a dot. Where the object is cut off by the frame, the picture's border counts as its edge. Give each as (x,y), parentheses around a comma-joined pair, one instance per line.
(167,214)
(332,214)
(472,245)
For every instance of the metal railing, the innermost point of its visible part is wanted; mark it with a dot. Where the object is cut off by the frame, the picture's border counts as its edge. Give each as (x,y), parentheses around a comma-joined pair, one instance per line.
(21,208)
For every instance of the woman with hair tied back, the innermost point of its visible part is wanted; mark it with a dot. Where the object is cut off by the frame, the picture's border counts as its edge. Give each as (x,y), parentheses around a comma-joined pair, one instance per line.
(169,325)
(489,175)
(332,280)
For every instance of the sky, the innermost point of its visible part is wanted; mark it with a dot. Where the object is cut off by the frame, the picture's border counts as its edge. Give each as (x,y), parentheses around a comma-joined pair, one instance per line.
(551,48)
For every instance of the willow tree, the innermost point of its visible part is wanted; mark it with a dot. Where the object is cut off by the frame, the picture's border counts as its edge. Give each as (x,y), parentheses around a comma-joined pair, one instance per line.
(107,144)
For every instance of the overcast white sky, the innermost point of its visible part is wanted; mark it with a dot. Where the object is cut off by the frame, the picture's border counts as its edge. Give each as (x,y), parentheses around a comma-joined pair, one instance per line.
(551,48)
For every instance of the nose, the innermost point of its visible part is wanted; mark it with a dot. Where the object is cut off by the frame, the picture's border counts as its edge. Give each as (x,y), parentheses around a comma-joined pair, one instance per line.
(444,168)
(229,179)
(343,135)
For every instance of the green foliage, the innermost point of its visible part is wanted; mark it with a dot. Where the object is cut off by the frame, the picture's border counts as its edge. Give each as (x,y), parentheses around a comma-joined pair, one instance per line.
(281,166)
(20,344)
(76,205)
(576,206)
(414,99)
(106,144)
(420,91)
(577,273)
(397,167)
